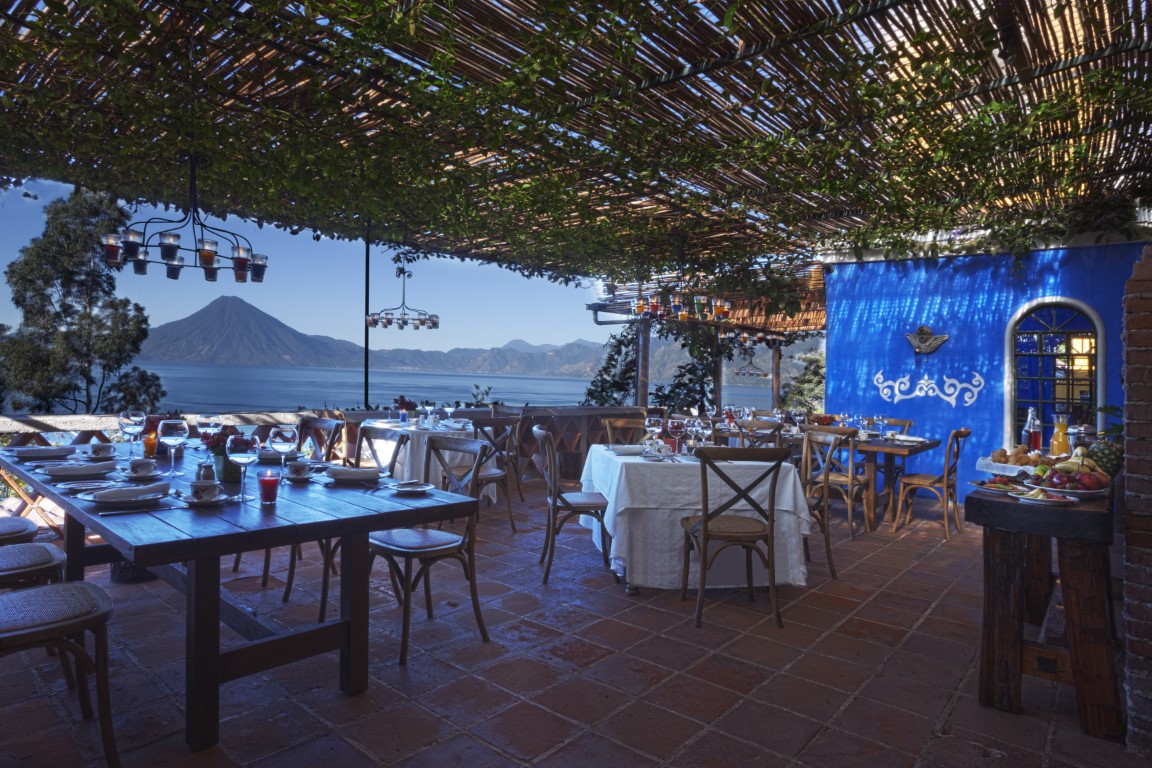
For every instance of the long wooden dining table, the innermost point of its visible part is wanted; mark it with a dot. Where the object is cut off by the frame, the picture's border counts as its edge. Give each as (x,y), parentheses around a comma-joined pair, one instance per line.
(184,546)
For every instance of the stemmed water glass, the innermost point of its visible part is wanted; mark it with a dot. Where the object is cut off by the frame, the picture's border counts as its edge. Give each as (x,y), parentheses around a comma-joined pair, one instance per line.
(704,431)
(243,450)
(880,424)
(283,439)
(676,428)
(172,433)
(448,408)
(131,425)
(208,424)
(654,425)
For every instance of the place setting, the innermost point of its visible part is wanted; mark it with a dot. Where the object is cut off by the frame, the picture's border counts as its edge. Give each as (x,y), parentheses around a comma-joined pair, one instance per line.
(126,499)
(78,471)
(336,475)
(30,453)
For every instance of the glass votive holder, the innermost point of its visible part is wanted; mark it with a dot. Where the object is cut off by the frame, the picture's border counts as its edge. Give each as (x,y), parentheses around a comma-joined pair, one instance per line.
(140,262)
(175,265)
(241,257)
(207,251)
(169,245)
(132,240)
(269,484)
(113,256)
(259,267)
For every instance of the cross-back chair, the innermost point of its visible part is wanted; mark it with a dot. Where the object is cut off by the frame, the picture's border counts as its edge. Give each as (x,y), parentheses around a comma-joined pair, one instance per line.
(831,466)
(816,473)
(401,547)
(624,431)
(942,486)
(383,447)
(716,525)
(562,506)
(501,462)
(757,433)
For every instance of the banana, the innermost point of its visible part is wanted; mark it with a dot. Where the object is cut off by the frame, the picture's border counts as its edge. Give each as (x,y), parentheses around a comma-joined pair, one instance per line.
(1070,467)
(1035,494)
(1104,476)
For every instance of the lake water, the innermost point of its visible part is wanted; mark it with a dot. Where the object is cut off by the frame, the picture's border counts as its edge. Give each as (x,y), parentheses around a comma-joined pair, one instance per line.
(232,389)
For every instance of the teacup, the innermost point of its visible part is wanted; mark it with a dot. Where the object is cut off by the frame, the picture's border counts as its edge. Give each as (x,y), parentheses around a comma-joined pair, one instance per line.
(299,469)
(661,448)
(891,434)
(103,449)
(142,466)
(205,490)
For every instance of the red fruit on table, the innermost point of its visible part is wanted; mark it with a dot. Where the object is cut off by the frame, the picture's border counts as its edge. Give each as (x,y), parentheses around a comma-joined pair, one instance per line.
(1089,481)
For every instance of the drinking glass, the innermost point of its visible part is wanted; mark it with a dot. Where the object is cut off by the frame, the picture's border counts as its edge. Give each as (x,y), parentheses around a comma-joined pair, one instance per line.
(880,424)
(283,439)
(208,424)
(654,425)
(704,431)
(448,408)
(131,425)
(172,433)
(243,450)
(676,429)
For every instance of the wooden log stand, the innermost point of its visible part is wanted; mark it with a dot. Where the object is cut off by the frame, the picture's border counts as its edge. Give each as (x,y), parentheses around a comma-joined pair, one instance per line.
(1018,586)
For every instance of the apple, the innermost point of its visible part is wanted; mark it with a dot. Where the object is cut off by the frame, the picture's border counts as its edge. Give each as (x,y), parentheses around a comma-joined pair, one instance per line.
(1089,481)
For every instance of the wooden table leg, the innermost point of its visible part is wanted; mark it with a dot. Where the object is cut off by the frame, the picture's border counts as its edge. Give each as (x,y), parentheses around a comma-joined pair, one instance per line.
(354,613)
(1037,577)
(202,654)
(1002,634)
(1084,576)
(74,543)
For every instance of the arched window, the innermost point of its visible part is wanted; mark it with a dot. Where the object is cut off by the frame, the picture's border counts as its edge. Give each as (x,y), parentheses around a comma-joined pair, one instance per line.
(1055,360)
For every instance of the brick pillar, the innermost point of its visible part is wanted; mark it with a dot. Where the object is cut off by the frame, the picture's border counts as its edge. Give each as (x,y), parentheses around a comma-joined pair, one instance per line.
(1137,503)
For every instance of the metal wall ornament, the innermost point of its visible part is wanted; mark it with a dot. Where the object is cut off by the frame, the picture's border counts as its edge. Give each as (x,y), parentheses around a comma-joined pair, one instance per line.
(924,341)
(949,392)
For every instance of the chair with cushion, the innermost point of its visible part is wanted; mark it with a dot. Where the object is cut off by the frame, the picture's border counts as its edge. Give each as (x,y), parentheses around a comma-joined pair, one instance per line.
(400,547)
(55,617)
(383,447)
(830,466)
(29,564)
(16,530)
(562,507)
(716,525)
(500,433)
(943,486)
(624,431)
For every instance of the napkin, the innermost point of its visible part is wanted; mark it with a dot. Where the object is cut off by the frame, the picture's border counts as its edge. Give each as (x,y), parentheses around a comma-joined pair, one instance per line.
(68,470)
(353,473)
(129,494)
(43,451)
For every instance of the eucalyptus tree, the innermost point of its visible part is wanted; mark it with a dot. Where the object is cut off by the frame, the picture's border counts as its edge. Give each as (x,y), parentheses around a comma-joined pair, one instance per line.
(76,336)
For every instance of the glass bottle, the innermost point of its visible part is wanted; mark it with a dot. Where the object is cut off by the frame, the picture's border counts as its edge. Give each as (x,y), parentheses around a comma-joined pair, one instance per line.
(1059,445)
(1030,437)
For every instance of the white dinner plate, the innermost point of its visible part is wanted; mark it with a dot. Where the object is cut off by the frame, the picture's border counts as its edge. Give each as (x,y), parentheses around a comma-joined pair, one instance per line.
(43,452)
(271,457)
(1020,496)
(89,456)
(910,439)
(78,486)
(1074,494)
(148,476)
(411,489)
(215,501)
(147,500)
(652,457)
(89,475)
(995,488)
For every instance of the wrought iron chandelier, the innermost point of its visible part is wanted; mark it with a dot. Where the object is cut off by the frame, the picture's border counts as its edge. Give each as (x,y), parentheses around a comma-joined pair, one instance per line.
(132,245)
(403,316)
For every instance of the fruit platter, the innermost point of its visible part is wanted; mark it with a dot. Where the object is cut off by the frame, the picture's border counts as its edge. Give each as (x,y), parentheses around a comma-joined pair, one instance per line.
(998,484)
(1041,496)
(1078,477)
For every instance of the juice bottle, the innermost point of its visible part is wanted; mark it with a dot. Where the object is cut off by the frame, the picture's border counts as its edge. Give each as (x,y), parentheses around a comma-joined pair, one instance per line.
(1059,445)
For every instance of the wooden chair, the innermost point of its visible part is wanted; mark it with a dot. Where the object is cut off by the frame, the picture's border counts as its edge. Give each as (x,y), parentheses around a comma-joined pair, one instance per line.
(322,435)
(370,445)
(730,530)
(830,465)
(624,431)
(429,546)
(562,507)
(55,617)
(756,433)
(816,474)
(29,564)
(943,486)
(499,432)
(17,530)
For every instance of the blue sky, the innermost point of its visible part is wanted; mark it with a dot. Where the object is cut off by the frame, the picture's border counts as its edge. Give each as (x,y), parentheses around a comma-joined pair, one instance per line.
(475,302)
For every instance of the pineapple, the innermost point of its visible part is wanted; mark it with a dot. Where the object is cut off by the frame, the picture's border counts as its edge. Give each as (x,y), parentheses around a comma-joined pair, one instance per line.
(1108,455)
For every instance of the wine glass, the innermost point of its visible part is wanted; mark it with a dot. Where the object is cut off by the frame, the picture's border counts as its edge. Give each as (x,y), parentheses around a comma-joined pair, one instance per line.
(283,439)
(704,431)
(172,433)
(448,407)
(880,424)
(653,425)
(243,450)
(209,424)
(131,425)
(676,428)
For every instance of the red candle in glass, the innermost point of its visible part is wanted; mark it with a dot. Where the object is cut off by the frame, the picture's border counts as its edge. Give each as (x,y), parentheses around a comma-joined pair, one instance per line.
(269,482)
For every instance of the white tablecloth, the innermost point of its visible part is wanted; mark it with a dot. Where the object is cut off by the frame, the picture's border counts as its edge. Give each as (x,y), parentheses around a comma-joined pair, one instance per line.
(410,463)
(647,499)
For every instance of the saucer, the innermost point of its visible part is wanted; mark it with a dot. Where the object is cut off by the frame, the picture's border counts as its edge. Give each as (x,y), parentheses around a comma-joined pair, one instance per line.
(298,478)
(144,476)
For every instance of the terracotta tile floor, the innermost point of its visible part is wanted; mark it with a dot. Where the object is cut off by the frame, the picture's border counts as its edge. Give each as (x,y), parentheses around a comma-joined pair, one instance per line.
(876,669)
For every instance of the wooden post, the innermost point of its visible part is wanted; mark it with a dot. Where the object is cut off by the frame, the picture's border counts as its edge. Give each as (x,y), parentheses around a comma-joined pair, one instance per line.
(775,373)
(643,346)
(367,308)
(717,372)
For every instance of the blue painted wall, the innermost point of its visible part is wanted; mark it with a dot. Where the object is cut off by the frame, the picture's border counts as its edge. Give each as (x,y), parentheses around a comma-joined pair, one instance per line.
(871,305)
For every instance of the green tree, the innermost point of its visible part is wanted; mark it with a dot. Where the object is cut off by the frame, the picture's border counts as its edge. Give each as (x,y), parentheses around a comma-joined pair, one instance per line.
(693,384)
(615,382)
(806,391)
(76,336)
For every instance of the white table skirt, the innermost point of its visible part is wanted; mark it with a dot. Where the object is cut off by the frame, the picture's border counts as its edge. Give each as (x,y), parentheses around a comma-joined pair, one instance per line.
(646,501)
(410,463)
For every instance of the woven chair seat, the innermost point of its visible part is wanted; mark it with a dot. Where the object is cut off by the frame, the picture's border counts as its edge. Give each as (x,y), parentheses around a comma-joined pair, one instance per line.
(580,501)
(726,526)
(842,478)
(30,562)
(415,540)
(52,609)
(922,479)
(15,530)
(486,473)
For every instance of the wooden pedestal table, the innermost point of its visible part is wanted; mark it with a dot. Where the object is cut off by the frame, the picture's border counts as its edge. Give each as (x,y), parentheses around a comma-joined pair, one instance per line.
(1017,582)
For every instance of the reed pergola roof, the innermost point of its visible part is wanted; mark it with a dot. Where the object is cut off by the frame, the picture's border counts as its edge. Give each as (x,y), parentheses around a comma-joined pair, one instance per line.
(571,139)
